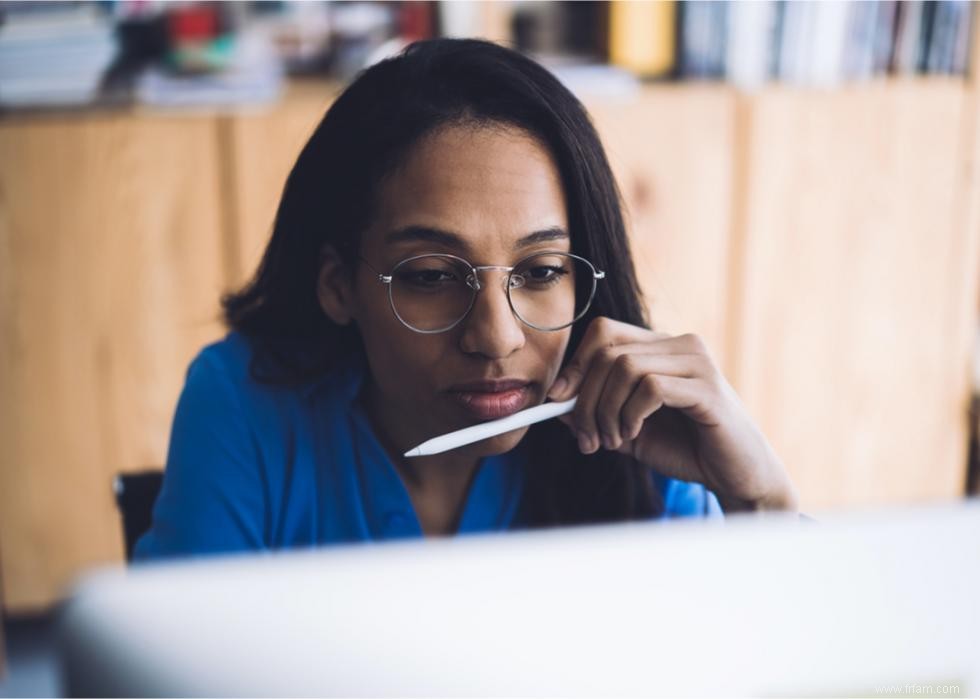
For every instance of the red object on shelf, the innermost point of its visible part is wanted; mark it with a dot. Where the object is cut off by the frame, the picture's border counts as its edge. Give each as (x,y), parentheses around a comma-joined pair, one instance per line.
(415,20)
(193,24)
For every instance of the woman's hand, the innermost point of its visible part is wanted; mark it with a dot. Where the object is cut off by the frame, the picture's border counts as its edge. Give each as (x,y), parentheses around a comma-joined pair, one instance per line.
(625,375)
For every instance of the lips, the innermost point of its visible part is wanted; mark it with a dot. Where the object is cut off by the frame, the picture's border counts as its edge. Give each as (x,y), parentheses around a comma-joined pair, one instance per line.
(489,400)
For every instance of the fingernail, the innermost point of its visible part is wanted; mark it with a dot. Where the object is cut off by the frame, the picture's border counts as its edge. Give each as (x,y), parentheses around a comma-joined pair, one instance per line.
(583,442)
(593,444)
(558,388)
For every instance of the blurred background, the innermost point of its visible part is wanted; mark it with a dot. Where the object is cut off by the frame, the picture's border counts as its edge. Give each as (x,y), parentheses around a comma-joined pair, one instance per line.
(800,181)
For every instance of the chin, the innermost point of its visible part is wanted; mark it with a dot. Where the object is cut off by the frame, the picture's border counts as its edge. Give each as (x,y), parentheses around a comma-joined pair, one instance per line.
(501,444)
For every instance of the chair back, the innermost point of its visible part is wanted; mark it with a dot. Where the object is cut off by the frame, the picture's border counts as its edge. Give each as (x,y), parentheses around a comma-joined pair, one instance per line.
(136,494)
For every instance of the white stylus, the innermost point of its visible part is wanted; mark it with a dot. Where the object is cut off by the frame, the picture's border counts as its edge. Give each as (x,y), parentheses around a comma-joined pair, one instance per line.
(468,435)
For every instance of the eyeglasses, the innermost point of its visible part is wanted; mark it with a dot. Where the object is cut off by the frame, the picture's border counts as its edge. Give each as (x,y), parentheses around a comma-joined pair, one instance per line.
(546,291)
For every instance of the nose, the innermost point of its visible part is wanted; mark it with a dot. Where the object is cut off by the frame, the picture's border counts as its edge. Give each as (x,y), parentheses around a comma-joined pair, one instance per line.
(491,328)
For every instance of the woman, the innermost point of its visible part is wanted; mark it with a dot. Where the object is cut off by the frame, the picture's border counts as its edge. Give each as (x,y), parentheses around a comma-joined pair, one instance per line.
(449,249)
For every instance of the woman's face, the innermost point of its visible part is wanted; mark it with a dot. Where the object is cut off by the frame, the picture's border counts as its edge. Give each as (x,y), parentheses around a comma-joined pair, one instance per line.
(492,196)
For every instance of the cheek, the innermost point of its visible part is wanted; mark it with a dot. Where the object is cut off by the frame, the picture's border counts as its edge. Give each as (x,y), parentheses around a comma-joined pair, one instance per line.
(401,361)
(394,351)
(383,334)
(552,347)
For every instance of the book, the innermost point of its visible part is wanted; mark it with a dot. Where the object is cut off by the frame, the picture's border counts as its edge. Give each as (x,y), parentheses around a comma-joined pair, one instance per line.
(53,55)
(908,35)
(858,60)
(703,37)
(963,12)
(752,34)
(641,36)
(825,43)
(794,41)
(883,42)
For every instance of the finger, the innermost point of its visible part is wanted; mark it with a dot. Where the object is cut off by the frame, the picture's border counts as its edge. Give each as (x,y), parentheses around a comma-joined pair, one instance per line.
(693,397)
(590,389)
(601,371)
(602,332)
(627,371)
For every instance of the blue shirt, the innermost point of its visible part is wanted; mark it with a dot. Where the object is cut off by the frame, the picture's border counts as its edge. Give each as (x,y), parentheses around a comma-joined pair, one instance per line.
(253,467)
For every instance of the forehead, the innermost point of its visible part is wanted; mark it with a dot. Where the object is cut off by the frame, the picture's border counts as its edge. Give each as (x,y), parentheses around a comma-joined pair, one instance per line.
(491,189)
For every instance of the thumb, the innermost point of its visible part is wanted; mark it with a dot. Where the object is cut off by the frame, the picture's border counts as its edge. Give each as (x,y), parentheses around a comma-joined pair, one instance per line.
(567,383)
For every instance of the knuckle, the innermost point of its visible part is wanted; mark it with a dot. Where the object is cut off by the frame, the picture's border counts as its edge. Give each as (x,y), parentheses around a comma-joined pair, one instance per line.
(602,324)
(628,420)
(582,418)
(650,385)
(706,366)
(595,329)
(626,363)
(696,344)
(608,427)
(713,377)
(608,354)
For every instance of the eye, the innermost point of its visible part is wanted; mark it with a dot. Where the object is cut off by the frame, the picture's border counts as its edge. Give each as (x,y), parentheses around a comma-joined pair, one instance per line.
(543,275)
(431,276)
(427,278)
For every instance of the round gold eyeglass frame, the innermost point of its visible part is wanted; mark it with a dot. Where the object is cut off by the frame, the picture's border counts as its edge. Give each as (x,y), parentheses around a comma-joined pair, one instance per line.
(473,281)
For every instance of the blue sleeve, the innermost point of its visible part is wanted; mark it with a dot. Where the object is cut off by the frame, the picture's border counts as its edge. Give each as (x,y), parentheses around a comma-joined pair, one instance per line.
(712,508)
(683,499)
(213,498)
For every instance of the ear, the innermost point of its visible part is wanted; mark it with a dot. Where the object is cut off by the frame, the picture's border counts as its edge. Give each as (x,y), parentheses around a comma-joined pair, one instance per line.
(334,287)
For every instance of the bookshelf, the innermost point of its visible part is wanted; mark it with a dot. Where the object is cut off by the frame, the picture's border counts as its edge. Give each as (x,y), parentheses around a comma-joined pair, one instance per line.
(824,242)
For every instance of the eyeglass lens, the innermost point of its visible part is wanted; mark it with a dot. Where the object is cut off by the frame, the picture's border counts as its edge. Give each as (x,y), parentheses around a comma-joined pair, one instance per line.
(433,292)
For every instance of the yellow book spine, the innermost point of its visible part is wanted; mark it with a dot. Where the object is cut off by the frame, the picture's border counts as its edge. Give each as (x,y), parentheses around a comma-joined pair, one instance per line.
(642,35)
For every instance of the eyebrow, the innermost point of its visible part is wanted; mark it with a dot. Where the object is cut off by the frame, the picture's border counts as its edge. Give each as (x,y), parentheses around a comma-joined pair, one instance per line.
(449,239)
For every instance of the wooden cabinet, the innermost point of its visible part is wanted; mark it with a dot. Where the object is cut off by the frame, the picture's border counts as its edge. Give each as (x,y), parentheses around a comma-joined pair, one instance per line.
(854,305)
(824,244)
(110,271)
(673,152)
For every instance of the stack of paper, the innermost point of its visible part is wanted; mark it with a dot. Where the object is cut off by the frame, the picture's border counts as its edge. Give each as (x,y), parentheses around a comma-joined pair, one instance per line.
(54,57)
(254,75)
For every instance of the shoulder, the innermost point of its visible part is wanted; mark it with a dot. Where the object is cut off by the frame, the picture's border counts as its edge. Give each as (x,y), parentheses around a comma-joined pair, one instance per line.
(218,386)
(221,396)
(229,359)
(226,366)
(223,371)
